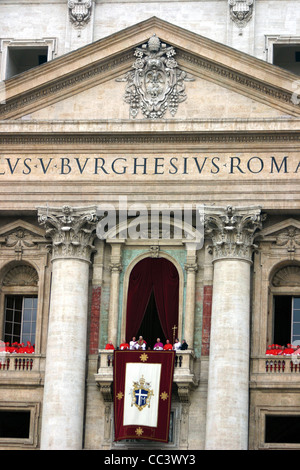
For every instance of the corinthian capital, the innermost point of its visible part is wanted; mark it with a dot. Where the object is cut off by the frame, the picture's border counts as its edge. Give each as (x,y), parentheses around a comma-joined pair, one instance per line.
(232,231)
(71,229)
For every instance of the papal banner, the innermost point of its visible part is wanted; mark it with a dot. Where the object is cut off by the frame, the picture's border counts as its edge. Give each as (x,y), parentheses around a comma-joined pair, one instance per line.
(142,394)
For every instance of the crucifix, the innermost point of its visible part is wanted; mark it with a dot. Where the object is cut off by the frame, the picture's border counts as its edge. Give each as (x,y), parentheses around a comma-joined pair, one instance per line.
(174,329)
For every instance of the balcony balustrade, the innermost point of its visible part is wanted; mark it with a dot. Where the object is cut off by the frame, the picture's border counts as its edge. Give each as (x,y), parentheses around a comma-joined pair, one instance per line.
(184,373)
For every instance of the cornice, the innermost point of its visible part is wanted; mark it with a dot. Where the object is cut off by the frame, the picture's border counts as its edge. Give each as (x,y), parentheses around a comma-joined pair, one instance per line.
(113,56)
(154,140)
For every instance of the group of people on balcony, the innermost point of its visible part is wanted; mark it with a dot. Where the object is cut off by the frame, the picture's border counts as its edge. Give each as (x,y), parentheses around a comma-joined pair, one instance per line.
(135,344)
(278,350)
(17,348)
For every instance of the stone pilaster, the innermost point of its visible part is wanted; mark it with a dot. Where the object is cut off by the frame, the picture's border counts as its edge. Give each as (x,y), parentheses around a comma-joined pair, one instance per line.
(72,231)
(116,269)
(191,268)
(231,232)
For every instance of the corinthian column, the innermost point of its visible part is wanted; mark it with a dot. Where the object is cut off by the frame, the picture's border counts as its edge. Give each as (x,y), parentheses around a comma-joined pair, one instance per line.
(232,232)
(72,233)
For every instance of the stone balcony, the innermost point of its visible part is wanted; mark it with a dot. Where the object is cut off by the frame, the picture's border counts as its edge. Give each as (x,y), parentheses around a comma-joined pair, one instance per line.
(25,369)
(273,372)
(184,374)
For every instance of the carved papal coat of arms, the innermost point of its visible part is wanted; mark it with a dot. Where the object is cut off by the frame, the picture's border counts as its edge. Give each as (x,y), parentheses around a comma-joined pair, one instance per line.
(156,83)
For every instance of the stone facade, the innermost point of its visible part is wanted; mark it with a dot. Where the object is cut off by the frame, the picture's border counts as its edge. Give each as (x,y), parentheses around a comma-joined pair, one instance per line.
(142,105)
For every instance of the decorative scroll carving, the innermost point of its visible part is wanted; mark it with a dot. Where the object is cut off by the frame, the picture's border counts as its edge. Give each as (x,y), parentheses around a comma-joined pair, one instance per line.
(80,12)
(290,238)
(232,231)
(72,230)
(22,275)
(19,239)
(241,11)
(156,83)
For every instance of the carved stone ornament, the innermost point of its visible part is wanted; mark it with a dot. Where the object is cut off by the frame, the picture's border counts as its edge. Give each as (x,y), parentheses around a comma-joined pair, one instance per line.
(232,231)
(156,83)
(80,12)
(241,11)
(289,238)
(22,275)
(72,231)
(288,276)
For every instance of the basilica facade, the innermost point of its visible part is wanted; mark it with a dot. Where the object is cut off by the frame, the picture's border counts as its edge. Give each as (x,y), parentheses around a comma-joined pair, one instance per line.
(149,168)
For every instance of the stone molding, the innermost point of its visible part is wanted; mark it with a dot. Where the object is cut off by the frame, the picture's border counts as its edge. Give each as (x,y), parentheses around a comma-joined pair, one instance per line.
(64,83)
(156,138)
(72,230)
(232,231)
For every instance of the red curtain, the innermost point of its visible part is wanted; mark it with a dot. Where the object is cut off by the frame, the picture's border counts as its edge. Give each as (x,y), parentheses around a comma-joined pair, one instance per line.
(161,276)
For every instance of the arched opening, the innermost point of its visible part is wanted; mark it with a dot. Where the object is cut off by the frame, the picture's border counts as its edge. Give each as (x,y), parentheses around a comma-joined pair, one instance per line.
(152,301)
(285,289)
(19,303)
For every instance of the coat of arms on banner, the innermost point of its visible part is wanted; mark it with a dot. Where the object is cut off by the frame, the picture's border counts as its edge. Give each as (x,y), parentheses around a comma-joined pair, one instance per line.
(141,394)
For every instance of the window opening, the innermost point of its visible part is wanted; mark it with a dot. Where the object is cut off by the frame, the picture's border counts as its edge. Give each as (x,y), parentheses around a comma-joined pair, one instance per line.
(287,56)
(286,319)
(14,424)
(20,319)
(282,429)
(20,59)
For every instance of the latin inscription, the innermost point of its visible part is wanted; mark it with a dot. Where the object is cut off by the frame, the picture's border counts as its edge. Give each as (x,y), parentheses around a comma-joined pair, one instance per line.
(190,166)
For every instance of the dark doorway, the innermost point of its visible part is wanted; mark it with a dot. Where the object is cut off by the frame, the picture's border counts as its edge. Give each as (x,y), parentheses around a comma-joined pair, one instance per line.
(282,319)
(14,424)
(151,328)
(283,429)
(153,300)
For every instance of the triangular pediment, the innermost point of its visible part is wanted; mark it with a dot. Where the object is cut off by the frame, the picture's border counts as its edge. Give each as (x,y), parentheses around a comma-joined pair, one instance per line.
(67,87)
(22,230)
(284,229)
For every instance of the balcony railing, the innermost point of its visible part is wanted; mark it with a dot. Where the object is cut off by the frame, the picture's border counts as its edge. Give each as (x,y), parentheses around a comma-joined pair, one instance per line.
(27,363)
(184,373)
(276,365)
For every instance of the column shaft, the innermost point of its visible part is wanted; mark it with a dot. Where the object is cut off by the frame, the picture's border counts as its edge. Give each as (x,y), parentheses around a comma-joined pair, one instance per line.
(66,356)
(232,233)
(228,382)
(72,231)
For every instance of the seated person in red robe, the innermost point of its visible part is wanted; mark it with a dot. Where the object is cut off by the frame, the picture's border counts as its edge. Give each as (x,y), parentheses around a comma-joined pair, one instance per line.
(29,348)
(269,350)
(288,350)
(109,345)
(124,346)
(168,346)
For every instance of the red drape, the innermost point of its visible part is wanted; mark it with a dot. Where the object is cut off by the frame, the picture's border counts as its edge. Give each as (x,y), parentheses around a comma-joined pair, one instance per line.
(161,276)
